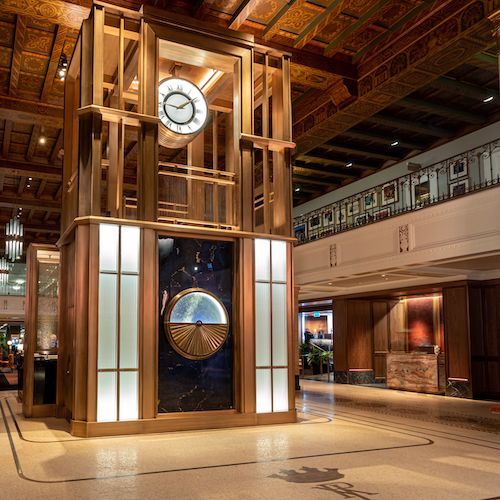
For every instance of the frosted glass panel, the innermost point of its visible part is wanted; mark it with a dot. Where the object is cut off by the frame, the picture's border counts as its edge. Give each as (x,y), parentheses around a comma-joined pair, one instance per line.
(129,305)
(130,246)
(262,324)
(262,260)
(280,389)
(129,396)
(106,397)
(280,354)
(108,247)
(263,391)
(278,255)
(107,338)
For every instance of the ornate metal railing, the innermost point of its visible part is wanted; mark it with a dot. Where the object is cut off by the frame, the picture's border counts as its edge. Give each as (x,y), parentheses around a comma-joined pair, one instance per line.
(459,175)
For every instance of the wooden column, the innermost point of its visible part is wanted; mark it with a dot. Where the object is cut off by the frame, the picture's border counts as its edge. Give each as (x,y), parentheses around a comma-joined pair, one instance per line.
(148,326)
(353,342)
(147,176)
(457,323)
(196,189)
(380,338)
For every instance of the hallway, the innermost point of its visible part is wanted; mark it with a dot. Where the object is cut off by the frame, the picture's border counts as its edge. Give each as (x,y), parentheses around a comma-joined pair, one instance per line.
(350,442)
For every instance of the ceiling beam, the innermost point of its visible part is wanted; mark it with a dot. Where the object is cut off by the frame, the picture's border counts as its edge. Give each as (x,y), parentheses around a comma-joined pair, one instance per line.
(6,138)
(440,110)
(333,46)
(22,183)
(17,54)
(465,89)
(310,180)
(55,56)
(319,23)
(359,152)
(53,11)
(57,147)
(326,173)
(488,59)
(9,201)
(35,136)
(383,139)
(2,178)
(35,170)
(41,187)
(419,128)
(272,27)
(24,111)
(321,159)
(241,13)
(397,25)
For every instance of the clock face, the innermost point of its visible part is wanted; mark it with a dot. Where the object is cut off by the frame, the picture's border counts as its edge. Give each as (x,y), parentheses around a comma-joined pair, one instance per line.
(182,107)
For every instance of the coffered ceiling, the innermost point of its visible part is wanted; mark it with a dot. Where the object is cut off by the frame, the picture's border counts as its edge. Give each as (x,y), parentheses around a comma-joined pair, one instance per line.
(365,74)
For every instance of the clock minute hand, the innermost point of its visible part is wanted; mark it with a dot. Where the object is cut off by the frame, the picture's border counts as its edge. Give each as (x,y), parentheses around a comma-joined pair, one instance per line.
(182,106)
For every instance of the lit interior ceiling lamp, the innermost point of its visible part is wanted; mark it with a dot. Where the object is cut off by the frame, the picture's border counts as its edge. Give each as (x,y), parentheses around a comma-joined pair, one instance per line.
(209,80)
(14,232)
(4,271)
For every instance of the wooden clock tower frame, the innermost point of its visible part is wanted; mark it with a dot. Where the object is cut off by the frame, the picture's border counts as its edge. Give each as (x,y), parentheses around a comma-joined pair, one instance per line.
(100,194)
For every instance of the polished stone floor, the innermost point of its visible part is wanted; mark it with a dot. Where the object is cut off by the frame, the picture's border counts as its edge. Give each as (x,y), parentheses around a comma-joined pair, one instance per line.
(351,442)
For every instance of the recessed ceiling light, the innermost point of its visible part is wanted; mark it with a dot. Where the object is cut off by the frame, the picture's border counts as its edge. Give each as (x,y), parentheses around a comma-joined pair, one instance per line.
(348,164)
(30,178)
(330,283)
(297,189)
(395,143)
(42,140)
(488,99)
(62,73)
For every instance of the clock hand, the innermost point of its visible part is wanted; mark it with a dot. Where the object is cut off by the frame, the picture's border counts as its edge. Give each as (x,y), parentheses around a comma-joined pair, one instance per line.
(172,105)
(182,106)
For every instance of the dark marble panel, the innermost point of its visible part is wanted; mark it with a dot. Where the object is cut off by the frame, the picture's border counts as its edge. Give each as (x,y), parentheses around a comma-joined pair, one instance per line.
(459,389)
(341,377)
(183,384)
(362,377)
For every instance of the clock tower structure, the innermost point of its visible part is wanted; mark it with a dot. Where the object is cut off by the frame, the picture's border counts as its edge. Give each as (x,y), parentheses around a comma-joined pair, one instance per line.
(176,247)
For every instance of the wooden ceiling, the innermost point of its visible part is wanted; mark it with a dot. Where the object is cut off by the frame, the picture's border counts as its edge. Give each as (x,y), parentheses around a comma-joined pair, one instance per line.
(365,73)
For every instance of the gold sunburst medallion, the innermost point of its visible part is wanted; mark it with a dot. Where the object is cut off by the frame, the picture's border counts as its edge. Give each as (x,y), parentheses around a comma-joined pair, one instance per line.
(196,324)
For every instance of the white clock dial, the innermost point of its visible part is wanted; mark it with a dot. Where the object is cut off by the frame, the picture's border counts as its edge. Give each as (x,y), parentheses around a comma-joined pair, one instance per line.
(182,107)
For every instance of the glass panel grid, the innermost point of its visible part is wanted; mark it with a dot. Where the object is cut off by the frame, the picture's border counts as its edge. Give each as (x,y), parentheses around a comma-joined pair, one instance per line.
(119,261)
(271,335)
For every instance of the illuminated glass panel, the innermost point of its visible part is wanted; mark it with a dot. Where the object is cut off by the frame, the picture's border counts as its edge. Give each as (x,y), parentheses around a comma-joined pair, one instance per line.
(278,253)
(198,306)
(280,389)
(262,260)
(107,338)
(129,392)
(263,390)
(106,397)
(108,247)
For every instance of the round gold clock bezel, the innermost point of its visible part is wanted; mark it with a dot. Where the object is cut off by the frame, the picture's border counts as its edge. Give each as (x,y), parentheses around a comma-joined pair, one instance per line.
(168,137)
(168,331)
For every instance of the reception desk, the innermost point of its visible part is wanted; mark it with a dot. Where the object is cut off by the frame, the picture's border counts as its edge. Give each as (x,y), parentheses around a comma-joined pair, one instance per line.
(415,371)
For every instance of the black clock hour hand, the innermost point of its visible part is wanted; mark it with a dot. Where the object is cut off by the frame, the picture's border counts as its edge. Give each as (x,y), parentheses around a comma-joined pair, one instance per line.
(172,105)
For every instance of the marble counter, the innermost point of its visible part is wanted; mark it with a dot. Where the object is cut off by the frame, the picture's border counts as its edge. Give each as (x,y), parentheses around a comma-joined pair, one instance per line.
(415,371)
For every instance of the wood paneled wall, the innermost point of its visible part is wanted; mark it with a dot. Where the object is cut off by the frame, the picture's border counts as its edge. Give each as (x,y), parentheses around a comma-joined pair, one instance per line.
(353,327)
(456,331)
(381,338)
(485,340)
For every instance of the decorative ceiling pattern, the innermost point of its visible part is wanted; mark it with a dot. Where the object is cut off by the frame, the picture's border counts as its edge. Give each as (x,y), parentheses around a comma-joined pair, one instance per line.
(364,73)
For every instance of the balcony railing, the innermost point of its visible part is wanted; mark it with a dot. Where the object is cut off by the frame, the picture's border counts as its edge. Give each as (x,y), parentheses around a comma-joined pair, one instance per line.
(459,175)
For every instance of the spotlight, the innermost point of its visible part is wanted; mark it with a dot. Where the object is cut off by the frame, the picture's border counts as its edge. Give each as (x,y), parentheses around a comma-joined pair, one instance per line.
(488,99)
(395,143)
(297,189)
(348,165)
(42,140)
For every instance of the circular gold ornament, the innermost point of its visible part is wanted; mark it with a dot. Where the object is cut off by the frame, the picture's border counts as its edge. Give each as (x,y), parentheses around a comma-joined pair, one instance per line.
(196,323)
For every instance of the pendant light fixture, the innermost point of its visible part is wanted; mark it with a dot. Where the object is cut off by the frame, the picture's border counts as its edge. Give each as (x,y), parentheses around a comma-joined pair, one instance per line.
(4,272)
(14,232)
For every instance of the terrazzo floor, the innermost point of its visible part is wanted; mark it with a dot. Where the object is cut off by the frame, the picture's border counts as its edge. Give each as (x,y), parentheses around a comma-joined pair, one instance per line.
(350,442)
